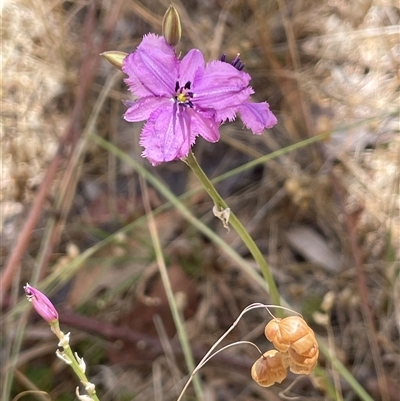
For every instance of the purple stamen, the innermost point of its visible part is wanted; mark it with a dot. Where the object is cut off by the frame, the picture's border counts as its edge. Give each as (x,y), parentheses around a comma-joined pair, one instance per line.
(237,62)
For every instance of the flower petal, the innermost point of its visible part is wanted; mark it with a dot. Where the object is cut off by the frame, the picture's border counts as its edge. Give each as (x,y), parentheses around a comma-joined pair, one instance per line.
(257,116)
(152,69)
(222,87)
(204,126)
(191,67)
(167,135)
(141,109)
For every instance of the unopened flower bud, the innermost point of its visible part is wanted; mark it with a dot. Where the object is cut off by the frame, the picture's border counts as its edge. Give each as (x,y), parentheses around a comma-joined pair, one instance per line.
(115,58)
(171,26)
(41,304)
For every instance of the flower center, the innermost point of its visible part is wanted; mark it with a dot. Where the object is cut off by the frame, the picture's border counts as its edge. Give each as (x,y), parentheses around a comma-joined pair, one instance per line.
(183,95)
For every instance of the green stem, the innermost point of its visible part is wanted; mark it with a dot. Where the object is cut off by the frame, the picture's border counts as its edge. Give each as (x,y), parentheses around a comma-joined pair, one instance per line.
(75,367)
(351,380)
(238,226)
(72,360)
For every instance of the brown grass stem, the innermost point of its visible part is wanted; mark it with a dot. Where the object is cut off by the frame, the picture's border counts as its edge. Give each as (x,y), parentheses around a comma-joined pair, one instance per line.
(363,292)
(176,315)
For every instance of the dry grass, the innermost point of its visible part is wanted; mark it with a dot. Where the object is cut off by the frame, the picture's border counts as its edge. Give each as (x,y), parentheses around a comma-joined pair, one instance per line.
(326,216)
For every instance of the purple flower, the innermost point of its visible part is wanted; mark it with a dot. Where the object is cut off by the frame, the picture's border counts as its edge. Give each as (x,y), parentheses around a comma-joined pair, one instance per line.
(41,304)
(181,99)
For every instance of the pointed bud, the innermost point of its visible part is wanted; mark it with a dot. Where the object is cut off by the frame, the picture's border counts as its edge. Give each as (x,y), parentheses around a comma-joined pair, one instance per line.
(115,58)
(41,304)
(171,26)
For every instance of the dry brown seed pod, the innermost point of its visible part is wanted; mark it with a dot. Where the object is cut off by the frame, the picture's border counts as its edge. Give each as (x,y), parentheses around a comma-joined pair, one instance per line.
(300,364)
(307,345)
(269,369)
(290,331)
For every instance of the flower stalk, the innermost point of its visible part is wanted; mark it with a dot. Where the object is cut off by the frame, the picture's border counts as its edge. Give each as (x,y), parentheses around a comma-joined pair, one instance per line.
(237,225)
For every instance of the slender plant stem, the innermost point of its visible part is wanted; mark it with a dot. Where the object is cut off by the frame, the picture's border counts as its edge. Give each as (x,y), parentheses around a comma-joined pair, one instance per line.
(351,380)
(73,360)
(82,376)
(238,226)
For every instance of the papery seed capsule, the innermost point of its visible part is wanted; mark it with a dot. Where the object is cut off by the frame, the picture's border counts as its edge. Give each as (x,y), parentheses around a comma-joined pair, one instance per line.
(307,345)
(285,332)
(269,369)
(301,364)
(272,332)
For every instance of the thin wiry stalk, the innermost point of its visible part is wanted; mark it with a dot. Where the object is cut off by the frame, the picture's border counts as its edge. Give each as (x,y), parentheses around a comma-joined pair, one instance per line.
(183,339)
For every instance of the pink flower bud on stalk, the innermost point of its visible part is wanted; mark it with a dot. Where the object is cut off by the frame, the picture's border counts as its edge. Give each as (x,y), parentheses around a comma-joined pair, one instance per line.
(171,26)
(41,304)
(48,312)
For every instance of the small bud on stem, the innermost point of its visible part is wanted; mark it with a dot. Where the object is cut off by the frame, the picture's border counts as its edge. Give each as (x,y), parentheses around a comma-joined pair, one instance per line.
(41,304)
(115,58)
(171,26)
